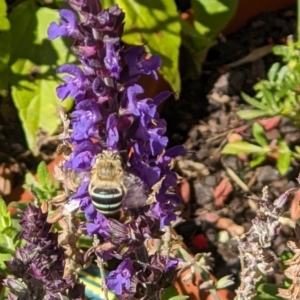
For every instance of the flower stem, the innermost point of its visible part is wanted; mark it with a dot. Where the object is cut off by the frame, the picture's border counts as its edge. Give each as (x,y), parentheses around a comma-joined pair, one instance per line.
(101,269)
(102,273)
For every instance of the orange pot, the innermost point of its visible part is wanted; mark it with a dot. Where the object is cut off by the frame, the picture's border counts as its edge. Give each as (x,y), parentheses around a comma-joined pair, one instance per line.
(250,8)
(193,291)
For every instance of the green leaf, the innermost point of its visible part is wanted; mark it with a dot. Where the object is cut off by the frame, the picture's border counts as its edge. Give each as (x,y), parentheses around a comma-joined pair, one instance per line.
(5,220)
(178,298)
(30,180)
(197,46)
(20,205)
(259,134)
(44,176)
(257,160)
(284,160)
(4,37)
(252,114)
(4,292)
(156,24)
(4,23)
(268,97)
(282,74)
(281,50)
(4,257)
(286,255)
(10,232)
(170,293)
(267,291)
(252,101)
(211,16)
(242,147)
(33,62)
(272,74)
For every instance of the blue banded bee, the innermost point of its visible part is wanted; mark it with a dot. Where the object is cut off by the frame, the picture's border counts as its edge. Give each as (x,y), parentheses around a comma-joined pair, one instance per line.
(111,188)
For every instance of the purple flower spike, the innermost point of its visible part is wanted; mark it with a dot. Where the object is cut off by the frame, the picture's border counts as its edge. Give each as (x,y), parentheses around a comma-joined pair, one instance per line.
(67,25)
(111,117)
(74,85)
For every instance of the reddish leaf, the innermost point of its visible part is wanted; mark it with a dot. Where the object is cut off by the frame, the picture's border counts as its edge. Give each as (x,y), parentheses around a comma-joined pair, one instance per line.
(222,192)
(295,206)
(241,129)
(270,123)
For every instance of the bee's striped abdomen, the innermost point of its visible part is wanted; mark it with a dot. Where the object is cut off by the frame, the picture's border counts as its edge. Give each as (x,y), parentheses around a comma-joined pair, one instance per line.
(107,200)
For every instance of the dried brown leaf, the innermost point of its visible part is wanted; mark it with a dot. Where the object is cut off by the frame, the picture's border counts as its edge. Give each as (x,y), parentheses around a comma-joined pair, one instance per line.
(59,199)
(230,226)
(56,216)
(44,207)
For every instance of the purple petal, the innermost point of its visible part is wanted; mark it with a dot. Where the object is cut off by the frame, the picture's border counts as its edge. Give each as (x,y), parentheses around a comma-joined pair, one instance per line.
(74,85)
(67,25)
(83,156)
(112,132)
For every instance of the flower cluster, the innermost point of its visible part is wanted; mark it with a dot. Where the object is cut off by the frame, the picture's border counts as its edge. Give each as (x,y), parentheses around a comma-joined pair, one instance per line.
(39,265)
(111,114)
(254,253)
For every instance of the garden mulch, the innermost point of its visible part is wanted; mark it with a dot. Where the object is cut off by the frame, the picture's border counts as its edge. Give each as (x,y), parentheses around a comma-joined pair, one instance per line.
(203,120)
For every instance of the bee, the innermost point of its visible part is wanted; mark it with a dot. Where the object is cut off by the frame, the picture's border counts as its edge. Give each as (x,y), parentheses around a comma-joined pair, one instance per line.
(111,188)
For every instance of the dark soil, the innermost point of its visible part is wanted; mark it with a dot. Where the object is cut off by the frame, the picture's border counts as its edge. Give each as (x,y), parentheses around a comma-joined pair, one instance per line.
(202,119)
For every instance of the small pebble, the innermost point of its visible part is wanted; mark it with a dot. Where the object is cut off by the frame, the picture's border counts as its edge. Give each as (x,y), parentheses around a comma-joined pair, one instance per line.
(223,236)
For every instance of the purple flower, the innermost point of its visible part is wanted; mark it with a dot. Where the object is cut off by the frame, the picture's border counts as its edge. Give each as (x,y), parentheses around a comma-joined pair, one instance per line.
(129,103)
(110,20)
(85,203)
(85,120)
(158,142)
(67,25)
(99,225)
(165,212)
(120,279)
(112,132)
(149,174)
(74,86)
(112,57)
(140,62)
(82,158)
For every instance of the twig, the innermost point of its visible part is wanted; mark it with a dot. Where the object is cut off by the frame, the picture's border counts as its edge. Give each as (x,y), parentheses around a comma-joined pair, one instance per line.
(251,57)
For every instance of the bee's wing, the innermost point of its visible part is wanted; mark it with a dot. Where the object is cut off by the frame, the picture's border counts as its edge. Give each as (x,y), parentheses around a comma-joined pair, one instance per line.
(136,195)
